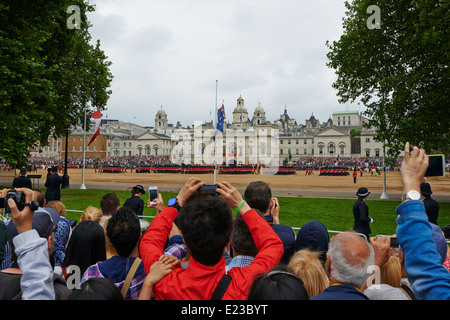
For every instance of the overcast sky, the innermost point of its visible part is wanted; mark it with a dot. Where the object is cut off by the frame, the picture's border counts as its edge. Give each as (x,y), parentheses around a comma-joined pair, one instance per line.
(170,53)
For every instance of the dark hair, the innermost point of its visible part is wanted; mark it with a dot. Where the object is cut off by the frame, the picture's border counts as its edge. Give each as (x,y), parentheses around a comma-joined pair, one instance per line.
(86,246)
(206,222)
(241,238)
(109,203)
(40,197)
(96,289)
(258,195)
(278,284)
(123,231)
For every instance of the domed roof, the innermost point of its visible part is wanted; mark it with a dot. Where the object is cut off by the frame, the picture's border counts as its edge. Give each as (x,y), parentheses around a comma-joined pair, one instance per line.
(259,108)
(161,112)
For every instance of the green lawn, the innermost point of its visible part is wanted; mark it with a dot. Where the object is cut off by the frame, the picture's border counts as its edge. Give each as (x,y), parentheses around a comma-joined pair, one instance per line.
(335,214)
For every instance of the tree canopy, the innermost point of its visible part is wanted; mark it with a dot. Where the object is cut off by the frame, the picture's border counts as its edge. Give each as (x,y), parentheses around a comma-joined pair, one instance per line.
(398,68)
(49,73)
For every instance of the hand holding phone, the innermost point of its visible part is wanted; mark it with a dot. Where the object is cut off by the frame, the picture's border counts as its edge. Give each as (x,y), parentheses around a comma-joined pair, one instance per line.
(153,194)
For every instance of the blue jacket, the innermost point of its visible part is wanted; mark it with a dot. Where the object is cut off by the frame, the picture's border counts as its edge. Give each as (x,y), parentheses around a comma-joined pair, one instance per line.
(428,277)
(341,292)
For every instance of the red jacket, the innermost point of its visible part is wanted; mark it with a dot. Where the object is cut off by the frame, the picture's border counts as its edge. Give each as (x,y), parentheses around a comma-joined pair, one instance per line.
(197,281)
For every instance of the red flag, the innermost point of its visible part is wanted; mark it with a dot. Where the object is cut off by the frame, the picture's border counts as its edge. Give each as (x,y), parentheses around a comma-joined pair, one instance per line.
(97,115)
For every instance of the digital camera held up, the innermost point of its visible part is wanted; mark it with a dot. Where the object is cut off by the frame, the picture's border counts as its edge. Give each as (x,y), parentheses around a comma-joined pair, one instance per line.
(19,199)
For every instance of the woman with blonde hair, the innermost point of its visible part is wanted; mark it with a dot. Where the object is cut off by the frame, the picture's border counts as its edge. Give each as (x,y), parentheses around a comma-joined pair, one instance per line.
(307,266)
(91,213)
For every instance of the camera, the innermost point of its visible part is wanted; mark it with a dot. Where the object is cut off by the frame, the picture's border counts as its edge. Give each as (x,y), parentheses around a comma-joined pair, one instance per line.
(19,199)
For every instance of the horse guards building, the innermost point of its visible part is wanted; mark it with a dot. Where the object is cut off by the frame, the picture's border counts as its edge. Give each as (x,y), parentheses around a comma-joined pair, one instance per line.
(246,139)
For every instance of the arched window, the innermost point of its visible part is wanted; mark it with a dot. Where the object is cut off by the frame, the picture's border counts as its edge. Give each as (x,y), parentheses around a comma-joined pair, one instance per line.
(331,148)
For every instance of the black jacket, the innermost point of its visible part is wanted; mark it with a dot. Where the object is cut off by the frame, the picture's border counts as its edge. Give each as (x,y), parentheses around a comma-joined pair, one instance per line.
(135,203)
(362,219)
(53,185)
(432,209)
(22,182)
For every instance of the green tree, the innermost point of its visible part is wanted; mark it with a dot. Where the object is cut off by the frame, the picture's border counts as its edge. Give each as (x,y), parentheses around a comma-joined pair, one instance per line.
(49,73)
(399,70)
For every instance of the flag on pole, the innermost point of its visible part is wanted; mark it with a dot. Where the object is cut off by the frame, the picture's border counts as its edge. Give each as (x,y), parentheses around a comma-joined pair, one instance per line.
(97,115)
(220,119)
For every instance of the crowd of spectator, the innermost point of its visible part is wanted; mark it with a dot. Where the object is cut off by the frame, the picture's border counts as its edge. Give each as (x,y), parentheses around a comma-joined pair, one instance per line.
(196,249)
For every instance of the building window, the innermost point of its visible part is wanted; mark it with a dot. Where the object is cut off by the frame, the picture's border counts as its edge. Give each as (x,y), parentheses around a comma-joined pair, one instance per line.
(377,153)
(281,151)
(320,150)
(331,149)
(342,150)
(367,153)
(296,141)
(296,151)
(305,151)
(367,139)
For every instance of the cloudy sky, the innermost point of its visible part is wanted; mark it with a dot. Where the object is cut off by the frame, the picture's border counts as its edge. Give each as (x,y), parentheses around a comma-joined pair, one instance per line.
(170,53)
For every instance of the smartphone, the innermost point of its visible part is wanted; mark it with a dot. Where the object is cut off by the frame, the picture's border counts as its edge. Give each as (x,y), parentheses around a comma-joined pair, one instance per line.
(394,242)
(436,166)
(211,187)
(153,194)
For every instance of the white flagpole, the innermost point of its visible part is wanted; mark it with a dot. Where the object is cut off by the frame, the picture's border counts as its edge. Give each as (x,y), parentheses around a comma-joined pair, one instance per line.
(215,126)
(84,152)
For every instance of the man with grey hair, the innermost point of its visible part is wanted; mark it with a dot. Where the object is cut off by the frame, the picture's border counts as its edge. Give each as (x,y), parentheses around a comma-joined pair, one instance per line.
(348,260)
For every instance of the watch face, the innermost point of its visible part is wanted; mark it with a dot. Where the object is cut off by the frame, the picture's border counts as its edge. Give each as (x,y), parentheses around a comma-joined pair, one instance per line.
(414,195)
(171,201)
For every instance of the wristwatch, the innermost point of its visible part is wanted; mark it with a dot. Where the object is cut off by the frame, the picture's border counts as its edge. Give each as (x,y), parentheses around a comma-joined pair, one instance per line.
(411,195)
(173,202)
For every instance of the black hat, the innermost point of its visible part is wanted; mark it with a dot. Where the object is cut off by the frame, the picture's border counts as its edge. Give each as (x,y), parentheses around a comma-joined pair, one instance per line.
(425,189)
(362,192)
(23,170)
(140,188)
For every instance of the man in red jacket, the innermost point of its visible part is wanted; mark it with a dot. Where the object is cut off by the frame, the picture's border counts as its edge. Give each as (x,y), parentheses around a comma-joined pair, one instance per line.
(206,223)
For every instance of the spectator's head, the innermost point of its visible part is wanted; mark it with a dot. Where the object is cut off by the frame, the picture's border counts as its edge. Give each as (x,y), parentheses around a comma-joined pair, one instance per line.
(124,231)
(391,272)
(241,238)
(91,213)
(97,289)
(45,221)
(86,246)
(109,204)
(258,196)
(348,259)
(441,243)
(23,171)
(206,223)
(425,189)
(58,206)
(40,197)
(308,267)
(278,284)
(313,236)
(138,190)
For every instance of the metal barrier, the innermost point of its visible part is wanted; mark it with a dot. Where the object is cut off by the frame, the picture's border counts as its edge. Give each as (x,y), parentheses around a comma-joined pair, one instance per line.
(294,228)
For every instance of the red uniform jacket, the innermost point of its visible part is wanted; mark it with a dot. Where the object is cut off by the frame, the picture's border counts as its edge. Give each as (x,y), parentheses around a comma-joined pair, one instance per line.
(197,281)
